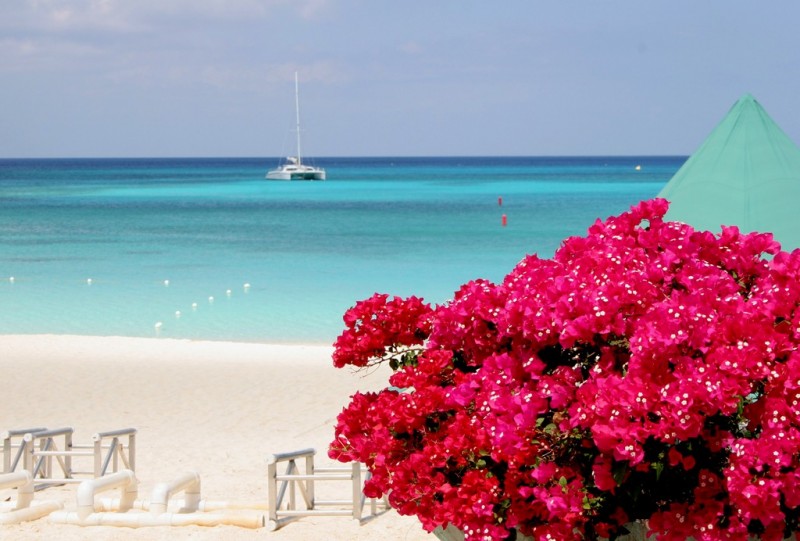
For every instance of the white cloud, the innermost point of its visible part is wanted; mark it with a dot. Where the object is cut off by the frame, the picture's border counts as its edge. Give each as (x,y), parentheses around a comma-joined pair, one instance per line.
(28,54)
(412,47)
(130,15)
(153,42)
(58,16)
(311,9)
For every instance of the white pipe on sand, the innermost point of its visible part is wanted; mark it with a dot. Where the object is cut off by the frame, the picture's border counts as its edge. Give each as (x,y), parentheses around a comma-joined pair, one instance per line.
(188,483)
(138,520)
(36,511)
(177,506)
(124,480)
(25,508)
(23,482)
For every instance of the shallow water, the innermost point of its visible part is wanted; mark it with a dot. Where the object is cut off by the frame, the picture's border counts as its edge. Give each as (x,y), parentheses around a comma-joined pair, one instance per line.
(308,250)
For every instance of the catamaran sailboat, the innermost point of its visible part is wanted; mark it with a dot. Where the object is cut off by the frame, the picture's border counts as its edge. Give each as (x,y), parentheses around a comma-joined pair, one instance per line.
(294,168)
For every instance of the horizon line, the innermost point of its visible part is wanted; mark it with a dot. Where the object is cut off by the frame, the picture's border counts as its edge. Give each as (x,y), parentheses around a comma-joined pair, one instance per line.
(322,157)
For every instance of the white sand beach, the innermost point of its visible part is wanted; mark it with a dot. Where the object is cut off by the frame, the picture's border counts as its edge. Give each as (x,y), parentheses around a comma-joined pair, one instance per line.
(217,408)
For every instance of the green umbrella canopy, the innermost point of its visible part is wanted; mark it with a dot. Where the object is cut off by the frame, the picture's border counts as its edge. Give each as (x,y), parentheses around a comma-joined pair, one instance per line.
(746,173)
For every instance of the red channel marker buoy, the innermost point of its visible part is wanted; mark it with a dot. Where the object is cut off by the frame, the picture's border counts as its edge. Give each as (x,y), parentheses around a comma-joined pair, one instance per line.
(499,201)
(504,220)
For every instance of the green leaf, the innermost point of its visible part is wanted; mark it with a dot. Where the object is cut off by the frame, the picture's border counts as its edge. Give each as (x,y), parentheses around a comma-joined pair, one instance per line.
(659,468)
(619,472)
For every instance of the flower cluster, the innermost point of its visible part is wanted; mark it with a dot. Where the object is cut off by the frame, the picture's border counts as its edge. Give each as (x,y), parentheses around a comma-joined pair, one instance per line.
(647,372)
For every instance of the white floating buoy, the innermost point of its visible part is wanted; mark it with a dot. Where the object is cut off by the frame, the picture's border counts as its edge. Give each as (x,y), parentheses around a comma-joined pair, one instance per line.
(194,306)
(177,314)
(638,167)
(11,279)
(166,283)
(89,281)
(228,293)
(211,300)
(246,287)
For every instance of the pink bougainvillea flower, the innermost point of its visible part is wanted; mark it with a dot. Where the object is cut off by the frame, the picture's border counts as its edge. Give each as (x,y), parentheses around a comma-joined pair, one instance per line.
(646,372)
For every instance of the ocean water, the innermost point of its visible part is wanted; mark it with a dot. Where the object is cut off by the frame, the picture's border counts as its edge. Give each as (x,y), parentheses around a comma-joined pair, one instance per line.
(207,249)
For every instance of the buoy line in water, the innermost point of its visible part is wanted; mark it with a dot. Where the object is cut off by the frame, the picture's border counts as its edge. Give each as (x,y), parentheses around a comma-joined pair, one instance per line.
(159,325)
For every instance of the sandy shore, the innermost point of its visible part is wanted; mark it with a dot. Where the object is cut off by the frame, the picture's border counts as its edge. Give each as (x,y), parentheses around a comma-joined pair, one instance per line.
(220,409)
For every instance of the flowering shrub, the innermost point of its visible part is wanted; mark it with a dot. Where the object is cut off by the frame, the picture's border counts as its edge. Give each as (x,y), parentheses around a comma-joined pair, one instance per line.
(647,372)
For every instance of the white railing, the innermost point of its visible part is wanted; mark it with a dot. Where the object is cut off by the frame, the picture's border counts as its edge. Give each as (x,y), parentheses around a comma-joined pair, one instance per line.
(13,440)
(116,451)
(294,481)
(35,450)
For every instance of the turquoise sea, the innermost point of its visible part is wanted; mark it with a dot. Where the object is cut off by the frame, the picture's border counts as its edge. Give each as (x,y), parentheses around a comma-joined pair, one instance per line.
(208,249)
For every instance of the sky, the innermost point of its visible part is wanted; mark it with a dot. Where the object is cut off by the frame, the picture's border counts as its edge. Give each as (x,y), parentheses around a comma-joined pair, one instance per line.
(153,78)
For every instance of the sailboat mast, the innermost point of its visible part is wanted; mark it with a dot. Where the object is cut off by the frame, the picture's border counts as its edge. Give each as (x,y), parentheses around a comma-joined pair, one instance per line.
(297,110)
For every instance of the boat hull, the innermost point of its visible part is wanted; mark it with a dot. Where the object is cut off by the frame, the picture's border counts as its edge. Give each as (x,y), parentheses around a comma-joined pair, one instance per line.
(296,175)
